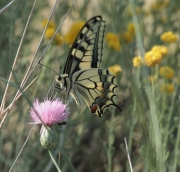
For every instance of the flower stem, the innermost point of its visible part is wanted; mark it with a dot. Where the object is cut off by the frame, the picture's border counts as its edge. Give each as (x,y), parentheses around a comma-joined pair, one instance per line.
(54,161)
(110,143)
(129,159)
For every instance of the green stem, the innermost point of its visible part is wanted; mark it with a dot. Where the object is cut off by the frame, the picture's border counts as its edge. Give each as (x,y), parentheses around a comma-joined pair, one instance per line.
(169,117)
(70,165)
(110,143)
(176,149)
(54,161)
(156,130)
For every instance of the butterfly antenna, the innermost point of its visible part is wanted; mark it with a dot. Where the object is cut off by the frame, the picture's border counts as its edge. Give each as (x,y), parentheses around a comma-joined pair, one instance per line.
(47,67)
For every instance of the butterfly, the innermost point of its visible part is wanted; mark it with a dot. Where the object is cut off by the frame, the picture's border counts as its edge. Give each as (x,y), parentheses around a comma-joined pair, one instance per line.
(82,76)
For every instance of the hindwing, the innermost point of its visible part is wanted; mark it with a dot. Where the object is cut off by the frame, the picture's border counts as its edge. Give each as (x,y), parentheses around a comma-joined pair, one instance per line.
(97,87)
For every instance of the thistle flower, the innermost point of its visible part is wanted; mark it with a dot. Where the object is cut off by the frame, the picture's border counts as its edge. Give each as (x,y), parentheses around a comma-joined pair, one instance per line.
(48,113)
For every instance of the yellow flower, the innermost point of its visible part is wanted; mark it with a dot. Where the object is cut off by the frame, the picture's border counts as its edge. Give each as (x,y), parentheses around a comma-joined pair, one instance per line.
(73,32)
(164,19)
(138,10)
(49,33)
(178,80)
(165,3)
(169,37)
(58,39)
(115,69)
(168,88)
(137,61)
(146,12)
(152,78)
(131,29)
(127,37)
(153,58)
(160,48)
(113,41)
(166,72)
(156,6)
(155,55)
(128,10)
(50,25)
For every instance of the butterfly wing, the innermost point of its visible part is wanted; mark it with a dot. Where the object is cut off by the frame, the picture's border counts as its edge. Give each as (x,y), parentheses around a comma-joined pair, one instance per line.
(82,76)
(97,87)
(86,51)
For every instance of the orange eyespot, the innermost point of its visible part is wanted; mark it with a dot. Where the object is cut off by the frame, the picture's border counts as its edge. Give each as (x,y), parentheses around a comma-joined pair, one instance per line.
(93,108)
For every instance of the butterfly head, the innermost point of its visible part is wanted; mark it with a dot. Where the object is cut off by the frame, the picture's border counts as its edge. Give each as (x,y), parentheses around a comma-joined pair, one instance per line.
(61,81)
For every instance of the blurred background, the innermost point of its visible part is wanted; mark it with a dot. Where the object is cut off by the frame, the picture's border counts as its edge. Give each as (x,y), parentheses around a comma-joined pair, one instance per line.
(141,48)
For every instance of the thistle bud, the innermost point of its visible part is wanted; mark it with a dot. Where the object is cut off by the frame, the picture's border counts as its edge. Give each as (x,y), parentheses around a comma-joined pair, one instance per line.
(48,138)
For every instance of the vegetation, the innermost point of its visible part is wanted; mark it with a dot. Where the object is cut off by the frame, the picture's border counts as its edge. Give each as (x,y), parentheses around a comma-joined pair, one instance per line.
(141,48)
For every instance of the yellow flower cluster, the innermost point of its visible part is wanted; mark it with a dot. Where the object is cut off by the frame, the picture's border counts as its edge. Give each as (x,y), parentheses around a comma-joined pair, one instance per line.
(137,61)
(155,55)
(116,69)
(169,37)
(58,39)
(131,29)
(152,58)
(167,88)
(166,72)
(50,25)
(73,32)
(156,6)
(128,10)
(128,36)
(113,41)
(160,48)
(50,32)
(152,78)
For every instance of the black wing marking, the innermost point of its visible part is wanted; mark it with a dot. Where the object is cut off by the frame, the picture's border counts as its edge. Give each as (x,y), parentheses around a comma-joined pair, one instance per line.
(86,51)
(97,87)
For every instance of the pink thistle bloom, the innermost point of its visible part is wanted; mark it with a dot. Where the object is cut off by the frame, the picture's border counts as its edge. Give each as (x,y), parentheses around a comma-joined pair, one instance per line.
(48,112)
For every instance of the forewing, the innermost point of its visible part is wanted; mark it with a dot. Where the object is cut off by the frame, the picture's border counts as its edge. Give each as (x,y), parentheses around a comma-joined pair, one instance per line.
(97,87)
(86,51)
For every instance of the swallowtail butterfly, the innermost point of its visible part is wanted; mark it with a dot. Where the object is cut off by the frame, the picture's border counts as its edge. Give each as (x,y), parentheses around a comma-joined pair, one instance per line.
(82,75)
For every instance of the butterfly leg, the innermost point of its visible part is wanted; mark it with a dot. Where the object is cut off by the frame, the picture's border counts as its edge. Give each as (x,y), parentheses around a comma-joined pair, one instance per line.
(62,123)
(65,98)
